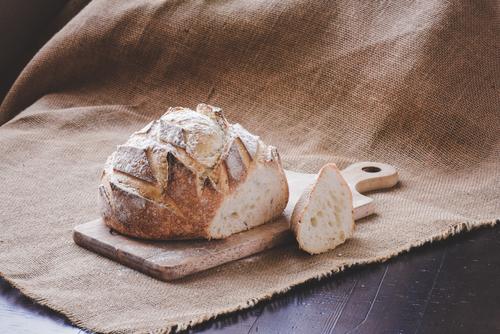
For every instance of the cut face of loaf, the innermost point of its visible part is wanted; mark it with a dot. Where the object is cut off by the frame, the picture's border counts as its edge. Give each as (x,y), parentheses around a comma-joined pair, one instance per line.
(192,174)
(323,217)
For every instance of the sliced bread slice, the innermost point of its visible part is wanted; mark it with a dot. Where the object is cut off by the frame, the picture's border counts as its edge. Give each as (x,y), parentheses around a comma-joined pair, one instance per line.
(323,217)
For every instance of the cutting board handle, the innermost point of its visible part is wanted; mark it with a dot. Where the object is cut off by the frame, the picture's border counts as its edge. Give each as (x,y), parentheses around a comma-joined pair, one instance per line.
(172,260)
(367,176)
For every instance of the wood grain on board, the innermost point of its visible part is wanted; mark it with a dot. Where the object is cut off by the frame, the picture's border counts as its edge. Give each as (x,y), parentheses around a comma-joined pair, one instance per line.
(168,260)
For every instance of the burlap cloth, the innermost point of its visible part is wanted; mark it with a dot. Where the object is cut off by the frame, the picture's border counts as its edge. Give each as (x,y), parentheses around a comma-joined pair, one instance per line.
(411,83)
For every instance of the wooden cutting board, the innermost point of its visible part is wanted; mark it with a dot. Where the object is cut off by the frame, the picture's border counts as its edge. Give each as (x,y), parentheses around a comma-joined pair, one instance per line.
(169,260)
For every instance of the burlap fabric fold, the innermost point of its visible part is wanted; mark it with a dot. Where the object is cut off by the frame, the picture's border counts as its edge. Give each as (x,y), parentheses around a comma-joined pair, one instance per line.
(410,83)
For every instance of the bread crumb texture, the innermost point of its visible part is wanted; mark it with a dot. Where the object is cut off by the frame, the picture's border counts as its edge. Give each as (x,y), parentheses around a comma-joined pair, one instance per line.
(192,174)
(323,216)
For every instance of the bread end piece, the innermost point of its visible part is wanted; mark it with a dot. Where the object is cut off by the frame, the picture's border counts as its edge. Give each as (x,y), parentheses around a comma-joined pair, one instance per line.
(323,216)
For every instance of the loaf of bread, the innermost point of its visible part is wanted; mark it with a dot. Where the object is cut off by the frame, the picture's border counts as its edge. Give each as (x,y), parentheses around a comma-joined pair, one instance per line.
(190,175)
(323,216)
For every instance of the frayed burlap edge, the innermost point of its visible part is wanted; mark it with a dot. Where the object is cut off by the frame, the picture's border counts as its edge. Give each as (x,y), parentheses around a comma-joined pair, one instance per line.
(452,230)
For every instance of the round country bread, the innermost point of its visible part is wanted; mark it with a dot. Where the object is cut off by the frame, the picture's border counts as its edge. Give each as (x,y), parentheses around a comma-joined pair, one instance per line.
(189,175)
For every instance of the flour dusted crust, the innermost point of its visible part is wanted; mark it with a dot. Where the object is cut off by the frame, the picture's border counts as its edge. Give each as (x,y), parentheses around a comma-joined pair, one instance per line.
(323,216)
(191,174)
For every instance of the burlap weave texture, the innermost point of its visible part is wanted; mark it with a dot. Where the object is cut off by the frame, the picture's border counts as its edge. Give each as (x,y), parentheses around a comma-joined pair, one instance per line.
(410,83)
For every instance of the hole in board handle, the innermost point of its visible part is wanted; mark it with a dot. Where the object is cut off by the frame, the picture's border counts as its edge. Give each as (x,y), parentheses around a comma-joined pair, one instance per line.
(371,169)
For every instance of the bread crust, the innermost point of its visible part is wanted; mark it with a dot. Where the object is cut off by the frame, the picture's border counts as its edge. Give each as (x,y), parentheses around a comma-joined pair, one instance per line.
(303,204)
(169,180)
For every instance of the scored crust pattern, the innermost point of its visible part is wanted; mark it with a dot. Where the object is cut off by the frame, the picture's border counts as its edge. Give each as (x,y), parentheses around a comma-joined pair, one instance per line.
(169,178)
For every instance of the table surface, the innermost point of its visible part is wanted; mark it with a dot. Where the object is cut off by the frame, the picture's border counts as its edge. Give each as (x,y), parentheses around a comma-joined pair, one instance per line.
(451,286)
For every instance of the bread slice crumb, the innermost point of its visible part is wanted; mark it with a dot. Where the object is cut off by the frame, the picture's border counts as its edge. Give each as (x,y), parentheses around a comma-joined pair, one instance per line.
(323,216)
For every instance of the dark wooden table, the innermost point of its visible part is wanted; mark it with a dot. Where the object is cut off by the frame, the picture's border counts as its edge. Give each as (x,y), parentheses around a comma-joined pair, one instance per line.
(451,286)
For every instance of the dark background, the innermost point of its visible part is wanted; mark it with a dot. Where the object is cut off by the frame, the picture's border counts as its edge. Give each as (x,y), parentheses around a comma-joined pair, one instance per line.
(451,286)
(25,25)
